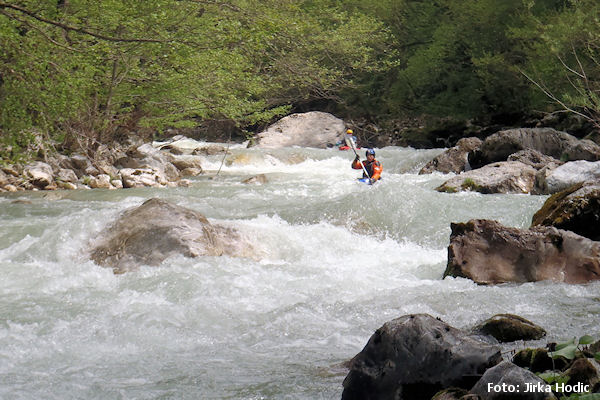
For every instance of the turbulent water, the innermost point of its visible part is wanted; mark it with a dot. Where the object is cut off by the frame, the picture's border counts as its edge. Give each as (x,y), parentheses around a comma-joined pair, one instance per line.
(338,258)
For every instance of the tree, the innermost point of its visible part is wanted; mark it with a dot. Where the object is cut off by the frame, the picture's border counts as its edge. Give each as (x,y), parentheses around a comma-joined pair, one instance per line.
(566,66)
(83,70)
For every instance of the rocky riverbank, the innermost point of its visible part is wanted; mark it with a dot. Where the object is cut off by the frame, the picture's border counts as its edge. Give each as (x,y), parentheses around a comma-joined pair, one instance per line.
(129,165)
(418,357)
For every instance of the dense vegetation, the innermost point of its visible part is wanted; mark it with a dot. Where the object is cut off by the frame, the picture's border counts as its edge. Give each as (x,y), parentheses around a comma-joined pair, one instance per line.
(81,72)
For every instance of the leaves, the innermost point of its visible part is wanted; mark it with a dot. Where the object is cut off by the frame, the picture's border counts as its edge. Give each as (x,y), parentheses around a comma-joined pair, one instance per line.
(85,67)
(566,350)
(586,339)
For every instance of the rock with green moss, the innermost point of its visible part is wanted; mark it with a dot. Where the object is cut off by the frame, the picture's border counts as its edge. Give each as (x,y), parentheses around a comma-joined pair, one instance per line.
(509,328)
(538,360)
(576,209)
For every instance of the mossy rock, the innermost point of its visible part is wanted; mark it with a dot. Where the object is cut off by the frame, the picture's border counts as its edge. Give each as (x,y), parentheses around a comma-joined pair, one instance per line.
(575,209)
(537,360)
(509,328)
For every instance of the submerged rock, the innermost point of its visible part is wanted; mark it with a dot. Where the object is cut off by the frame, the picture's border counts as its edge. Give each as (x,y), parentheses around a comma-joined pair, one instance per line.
(259,179)
(156,230)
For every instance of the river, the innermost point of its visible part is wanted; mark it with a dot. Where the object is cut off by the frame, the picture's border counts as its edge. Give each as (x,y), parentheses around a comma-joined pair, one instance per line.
(338,258)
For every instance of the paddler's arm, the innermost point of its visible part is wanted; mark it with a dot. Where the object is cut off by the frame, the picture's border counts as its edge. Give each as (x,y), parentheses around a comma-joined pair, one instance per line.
(356,164)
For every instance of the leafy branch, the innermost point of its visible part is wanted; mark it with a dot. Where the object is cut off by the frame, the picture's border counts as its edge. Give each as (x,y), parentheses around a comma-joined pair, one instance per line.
(77,28)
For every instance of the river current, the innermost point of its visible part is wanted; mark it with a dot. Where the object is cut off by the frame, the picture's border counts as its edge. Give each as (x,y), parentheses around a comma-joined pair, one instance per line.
(338,259)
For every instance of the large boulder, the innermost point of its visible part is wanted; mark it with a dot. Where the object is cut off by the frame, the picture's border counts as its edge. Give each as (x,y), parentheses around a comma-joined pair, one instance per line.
(548,141)
(311,129)
(454,159)
(566,175)
(490,253)
(506,381)
(574,209)
(148,234)
(415,356)
(500,177)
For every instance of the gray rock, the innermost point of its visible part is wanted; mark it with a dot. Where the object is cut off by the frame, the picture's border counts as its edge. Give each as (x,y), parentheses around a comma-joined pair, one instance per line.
(415,356)
(506,381)
(145,158)
(534,159)
(148,234)
(66,175)
(79,162)
(179,145)
(548,141)
(500,177)
(454,159)
(142,177)
(101,181)
(186,161)
(311,129)
(3,179)
(566,175)
(191,172)
(39,174)
(490,253)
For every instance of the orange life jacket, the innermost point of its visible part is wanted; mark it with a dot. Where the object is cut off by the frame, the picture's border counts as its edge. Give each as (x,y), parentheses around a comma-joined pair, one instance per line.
(373,168)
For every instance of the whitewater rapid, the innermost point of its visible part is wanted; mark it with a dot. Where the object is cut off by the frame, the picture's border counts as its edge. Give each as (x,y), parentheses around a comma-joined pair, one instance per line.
(337,260)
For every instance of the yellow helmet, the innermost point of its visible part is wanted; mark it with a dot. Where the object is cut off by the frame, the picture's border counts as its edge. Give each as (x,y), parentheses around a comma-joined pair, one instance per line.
(349,132)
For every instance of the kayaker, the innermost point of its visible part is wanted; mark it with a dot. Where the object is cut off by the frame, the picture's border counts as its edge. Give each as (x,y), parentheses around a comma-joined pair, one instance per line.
(343,144)
(371,165)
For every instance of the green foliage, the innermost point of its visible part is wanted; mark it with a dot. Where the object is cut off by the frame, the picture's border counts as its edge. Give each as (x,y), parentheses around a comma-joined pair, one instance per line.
(565,57)
(85,70)
(568,349)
